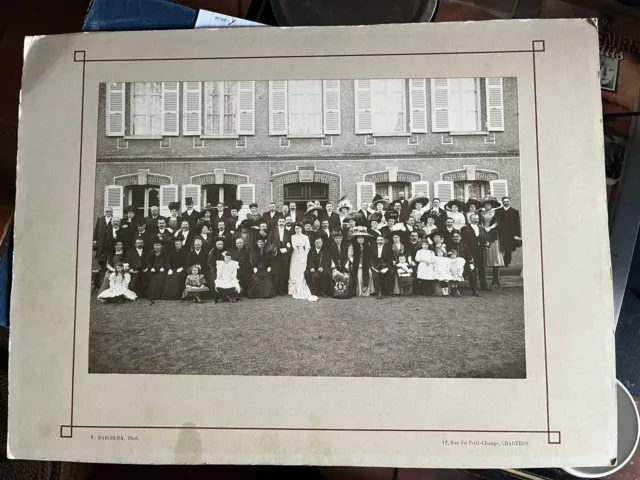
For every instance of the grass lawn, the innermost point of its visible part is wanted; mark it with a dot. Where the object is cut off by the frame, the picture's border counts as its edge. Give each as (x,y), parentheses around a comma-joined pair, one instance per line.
(395,337)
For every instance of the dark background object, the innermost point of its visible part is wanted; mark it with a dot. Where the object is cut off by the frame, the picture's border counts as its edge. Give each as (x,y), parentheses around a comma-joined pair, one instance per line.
(351,12)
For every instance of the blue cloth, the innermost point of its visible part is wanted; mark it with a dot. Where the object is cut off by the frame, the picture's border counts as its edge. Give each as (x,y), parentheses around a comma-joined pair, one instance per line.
(116,15)
(5,283)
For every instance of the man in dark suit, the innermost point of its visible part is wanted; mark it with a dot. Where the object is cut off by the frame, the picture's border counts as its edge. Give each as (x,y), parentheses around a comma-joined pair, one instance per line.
(222,232)
(164,234)
(103,224)
(318,271)
(272,216)
(461,247)
(143,234)
(324,232)
(294,214)
(404,207)
(331,216)
(185,234)
(281,238)
(508,229)
(220,214)
(474,236)
(447,231)
(439,214)
(116,234)
(394,211)
(136,257)
(152,220)
(339,251)
(381,258)
(191,215)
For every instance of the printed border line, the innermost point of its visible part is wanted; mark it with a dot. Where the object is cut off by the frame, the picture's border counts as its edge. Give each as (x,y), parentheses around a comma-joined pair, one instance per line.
(553,436)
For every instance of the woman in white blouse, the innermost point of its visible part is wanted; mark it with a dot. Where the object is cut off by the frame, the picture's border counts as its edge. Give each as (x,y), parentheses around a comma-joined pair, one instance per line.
(453,211)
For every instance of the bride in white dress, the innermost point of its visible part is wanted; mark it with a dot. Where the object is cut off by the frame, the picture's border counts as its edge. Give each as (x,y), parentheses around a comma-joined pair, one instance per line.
(297,284)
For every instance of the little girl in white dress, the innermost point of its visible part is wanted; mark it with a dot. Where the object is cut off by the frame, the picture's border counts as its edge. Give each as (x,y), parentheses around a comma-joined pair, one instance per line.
(118,290)
(457,269)
(426,259)
(442,269)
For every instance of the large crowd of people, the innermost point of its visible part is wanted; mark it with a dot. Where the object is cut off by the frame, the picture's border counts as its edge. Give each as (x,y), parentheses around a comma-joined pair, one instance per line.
(386,248)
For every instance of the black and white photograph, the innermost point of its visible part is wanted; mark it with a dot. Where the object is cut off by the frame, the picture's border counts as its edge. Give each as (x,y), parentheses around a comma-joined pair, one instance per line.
(335,228)
(609,73)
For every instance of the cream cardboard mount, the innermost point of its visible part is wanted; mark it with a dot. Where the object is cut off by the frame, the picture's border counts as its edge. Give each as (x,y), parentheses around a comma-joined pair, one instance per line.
(443,91)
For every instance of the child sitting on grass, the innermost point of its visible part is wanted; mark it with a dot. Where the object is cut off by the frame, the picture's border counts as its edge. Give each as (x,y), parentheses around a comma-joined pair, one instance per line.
(118,290)
(195,284)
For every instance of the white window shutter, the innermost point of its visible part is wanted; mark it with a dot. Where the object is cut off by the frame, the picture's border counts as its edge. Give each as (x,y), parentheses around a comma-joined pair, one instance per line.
(192,191)
(247,193)
(418,105)
(365,191)
(278,107)
(331,93)
(443,189)
(170,95)
(495,107)
(168,194)
(115,109)
(420,188)
(192,108)
(499,189)
(114,198)
(247,110)
(439,105)
(363,101)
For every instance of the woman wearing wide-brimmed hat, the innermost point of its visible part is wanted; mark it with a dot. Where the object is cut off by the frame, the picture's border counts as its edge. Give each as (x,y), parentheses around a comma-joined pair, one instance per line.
(418,205)
(379,205)
(489,221)
(174,220)
(454,210)
(473,205)
(360,265)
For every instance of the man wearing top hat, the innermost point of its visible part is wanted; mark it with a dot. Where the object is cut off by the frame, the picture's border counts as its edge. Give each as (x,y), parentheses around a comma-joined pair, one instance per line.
(272,216)
(474,236)
(404,206)
(190,215)
(152,219)
(318,271)
(281,239)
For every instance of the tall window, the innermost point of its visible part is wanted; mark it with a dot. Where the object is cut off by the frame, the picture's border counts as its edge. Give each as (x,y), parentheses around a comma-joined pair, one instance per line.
(464,105)
(389,106)
(305,107)
(464,190)
(221,108)
(146,108)
(143,197)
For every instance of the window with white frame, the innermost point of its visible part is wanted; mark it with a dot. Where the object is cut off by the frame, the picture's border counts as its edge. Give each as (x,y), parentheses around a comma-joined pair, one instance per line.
(392,106)
(146,108)
(221,106)
(304,108)
(391,190)
(456,105)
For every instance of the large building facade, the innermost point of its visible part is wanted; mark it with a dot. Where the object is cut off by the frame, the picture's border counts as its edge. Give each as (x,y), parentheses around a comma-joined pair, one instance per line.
(294,141)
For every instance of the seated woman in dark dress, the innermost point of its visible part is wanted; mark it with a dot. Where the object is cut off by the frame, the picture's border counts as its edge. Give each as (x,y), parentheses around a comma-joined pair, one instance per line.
(176,272)
(261,283)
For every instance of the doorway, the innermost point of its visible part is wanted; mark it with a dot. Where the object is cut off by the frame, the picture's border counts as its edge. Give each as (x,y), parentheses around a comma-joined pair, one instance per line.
(301,193)
(143,197)
(219,193)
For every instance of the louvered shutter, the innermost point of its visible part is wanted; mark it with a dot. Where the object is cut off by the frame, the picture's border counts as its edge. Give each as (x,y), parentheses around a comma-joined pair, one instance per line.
(192,108)
(495,107)
(499,189)
(439,105)
(278,107)
(443,189)
(331,93)
(168,194)
(192,191)
(418,105)
(115,109)
(364,123)
(170,94)
(247,193)
(365,191)
(114,198)
(247,110)
(420,188)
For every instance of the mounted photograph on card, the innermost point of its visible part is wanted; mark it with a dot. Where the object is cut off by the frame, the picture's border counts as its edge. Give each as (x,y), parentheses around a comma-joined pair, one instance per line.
(338,228)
